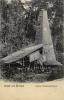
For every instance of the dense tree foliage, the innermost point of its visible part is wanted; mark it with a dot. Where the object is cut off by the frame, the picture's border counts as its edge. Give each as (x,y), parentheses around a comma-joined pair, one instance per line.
(19,24)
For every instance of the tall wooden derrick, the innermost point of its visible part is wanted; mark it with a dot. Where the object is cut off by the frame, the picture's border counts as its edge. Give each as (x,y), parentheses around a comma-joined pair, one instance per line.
(38,37)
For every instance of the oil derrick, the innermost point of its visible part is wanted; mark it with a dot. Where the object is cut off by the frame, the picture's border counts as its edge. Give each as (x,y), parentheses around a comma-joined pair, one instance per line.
(38,38)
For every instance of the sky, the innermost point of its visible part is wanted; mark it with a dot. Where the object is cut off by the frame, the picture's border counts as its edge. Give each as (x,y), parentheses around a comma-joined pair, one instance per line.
(25,6)
(21,0)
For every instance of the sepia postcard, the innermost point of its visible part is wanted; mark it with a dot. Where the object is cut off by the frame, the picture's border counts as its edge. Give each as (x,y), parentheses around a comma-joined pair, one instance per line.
(32,49)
